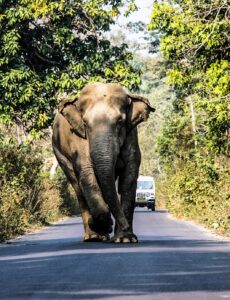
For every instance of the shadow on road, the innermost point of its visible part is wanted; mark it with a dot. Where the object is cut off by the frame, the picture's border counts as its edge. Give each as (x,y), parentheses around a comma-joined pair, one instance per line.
(145,210)
(67,268)
(96,270)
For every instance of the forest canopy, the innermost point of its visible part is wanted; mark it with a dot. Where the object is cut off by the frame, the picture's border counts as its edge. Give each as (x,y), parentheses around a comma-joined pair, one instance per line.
(52,46)
(195,39)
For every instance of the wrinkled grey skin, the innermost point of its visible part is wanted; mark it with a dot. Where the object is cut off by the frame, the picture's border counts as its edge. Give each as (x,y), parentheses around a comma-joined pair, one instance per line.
(95,142)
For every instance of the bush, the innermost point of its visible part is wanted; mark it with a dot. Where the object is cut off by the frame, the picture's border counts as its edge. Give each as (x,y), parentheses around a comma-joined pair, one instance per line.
(27,195)
(199,190)
(19,186)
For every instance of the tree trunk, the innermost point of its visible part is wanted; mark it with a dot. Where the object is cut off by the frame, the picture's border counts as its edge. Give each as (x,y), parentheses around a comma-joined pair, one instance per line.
(53,169)
(21,137)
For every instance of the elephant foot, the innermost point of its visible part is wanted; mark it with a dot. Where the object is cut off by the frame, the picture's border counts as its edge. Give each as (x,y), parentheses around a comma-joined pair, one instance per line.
(105,238)
(102,224)
(92,238)
(125,238)
(96,238)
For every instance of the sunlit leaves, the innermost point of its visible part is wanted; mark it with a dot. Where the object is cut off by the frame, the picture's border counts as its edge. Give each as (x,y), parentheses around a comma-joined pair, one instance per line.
(194,144)
(52,46)
(218,77)
(195,39)
(11,42)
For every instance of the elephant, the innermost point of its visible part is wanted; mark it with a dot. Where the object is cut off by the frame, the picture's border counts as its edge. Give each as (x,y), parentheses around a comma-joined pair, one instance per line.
(96,144)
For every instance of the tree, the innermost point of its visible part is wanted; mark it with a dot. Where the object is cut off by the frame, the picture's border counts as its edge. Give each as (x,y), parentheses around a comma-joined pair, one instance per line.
(154,86)
(52,46)
(195,42)
(194,143)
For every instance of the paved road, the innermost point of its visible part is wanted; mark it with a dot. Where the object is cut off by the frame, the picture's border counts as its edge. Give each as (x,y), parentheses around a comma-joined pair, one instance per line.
(174,260)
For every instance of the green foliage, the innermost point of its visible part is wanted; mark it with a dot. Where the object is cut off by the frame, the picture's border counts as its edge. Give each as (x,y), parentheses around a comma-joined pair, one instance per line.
(195,43)
(156,89)
(194,143)
(19,187)
(176,139)
(27,195)
(51,46)
(199,190)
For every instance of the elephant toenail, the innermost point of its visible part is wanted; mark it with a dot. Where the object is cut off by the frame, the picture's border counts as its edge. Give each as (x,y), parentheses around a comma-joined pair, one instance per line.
(118,240)
(126,240)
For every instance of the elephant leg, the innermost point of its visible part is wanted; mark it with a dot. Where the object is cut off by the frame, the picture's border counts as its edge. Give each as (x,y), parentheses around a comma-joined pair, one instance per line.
(127,198)
(90,235)
(127,188)
(66,166)
(100,218)
(128,204)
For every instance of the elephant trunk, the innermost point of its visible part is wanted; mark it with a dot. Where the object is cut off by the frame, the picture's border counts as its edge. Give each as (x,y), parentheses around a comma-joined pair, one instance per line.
(104,151)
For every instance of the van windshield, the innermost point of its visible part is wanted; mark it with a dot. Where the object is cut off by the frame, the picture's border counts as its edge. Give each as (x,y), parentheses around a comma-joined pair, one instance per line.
(144,185)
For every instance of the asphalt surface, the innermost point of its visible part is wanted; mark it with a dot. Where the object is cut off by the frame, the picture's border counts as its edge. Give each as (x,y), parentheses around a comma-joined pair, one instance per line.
(174,260)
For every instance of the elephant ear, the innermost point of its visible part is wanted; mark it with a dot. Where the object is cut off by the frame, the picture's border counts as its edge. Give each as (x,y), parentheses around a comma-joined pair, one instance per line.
(68,108)
(139,110)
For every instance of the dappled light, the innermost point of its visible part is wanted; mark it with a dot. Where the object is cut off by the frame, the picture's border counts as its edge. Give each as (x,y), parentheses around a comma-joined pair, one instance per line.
(114,145)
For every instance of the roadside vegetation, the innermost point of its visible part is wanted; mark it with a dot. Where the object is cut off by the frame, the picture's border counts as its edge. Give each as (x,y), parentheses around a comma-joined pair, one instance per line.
(51,47)
(193,145)
(29,197)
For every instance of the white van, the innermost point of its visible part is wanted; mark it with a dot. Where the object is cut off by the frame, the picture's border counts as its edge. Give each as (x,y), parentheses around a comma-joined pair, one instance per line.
(145,194)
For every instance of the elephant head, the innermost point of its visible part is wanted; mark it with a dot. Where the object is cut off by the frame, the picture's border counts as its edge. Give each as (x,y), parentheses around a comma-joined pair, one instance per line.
(107,104)
(105,115)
